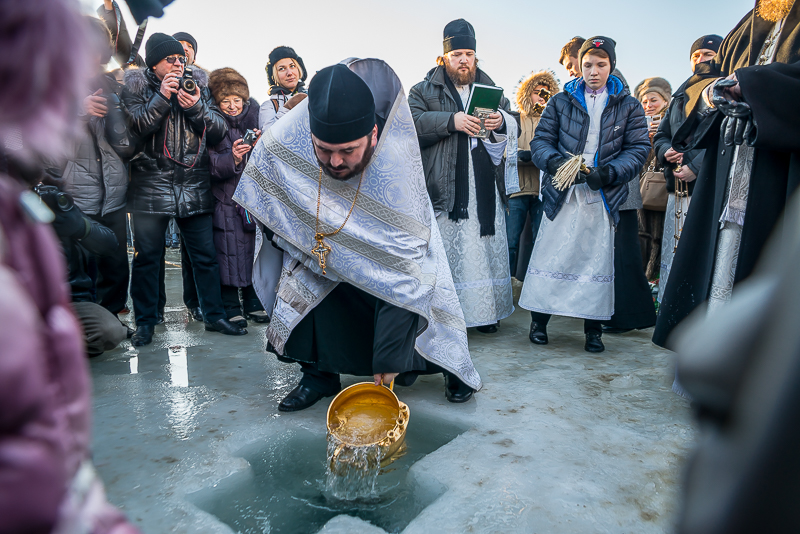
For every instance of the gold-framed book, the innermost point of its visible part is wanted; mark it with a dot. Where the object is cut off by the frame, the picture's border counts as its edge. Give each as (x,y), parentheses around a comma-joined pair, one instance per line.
(483,101)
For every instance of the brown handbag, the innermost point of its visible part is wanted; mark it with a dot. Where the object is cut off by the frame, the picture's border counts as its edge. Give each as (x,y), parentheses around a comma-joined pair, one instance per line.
(653,186)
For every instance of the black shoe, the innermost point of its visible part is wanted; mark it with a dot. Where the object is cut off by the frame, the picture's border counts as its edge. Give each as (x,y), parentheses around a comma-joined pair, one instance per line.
(160,317)
(594,342)
(238,320)
(224,326)
(300,398)
(196,314)
(538,333)
(613,330)
(143,335)
(487,328)
(258,316)
(455,390)
(131,331)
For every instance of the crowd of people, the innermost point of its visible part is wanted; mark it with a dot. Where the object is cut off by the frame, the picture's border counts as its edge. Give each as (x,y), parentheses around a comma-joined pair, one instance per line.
(370,228)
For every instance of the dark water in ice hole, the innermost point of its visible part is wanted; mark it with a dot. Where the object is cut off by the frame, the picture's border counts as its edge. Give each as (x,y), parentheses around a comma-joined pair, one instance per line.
(284,490)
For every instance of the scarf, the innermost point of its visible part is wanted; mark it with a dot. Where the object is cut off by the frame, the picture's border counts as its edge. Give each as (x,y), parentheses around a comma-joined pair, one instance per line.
(281,90)
(484,171)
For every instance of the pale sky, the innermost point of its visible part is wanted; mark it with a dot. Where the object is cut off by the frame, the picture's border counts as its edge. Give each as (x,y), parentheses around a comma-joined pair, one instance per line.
(514,37)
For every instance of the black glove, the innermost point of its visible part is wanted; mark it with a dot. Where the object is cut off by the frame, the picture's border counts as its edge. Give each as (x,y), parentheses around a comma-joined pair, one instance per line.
(524,156)
(555,163)
(597,177)
(738,123)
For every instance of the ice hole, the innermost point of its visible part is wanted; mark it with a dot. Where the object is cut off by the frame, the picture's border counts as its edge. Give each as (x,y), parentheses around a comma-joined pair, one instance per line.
(284,489)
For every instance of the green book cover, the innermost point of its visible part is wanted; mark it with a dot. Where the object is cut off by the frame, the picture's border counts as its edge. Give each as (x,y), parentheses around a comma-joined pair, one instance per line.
(484,96)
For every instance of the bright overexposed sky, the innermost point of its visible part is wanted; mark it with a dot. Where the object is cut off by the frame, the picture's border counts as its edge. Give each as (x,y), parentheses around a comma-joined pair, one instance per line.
(514,37)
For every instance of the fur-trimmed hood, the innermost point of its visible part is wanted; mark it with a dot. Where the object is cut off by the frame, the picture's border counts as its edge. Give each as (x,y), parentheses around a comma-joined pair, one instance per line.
(137,79)
(529,83)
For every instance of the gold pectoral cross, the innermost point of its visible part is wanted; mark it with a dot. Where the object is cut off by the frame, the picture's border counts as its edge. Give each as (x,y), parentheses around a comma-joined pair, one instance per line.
(321,251)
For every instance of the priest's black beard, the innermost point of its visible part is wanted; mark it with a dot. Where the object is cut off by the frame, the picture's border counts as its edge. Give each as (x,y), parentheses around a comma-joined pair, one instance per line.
(457,77)
(358,169)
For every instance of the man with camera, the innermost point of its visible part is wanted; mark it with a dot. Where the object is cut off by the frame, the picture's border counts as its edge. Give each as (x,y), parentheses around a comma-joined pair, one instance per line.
(175,120)
(81,237)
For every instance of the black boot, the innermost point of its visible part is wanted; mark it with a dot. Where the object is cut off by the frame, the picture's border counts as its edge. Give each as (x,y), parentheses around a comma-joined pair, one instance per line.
(196,314)
(594,342)
(300,398)
(238,320)
(143,335)
(538,333)
(224,326)
(455,390)
(487,328)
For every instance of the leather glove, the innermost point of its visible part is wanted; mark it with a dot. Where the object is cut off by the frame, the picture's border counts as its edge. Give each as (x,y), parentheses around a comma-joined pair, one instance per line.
(524,156)
(597,177)
(738,123)
(555,163)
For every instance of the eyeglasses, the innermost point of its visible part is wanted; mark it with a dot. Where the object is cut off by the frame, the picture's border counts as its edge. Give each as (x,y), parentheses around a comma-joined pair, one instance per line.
(172,59)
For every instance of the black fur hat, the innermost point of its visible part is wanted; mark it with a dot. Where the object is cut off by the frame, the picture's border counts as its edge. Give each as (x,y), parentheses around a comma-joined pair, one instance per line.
(283,52)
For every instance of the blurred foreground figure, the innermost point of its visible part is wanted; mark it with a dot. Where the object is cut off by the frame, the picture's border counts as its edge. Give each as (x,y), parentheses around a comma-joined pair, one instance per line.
(47,482)
(741,366)
(743,112)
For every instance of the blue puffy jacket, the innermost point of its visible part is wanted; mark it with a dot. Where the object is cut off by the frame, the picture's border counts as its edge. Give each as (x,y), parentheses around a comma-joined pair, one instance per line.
(624,143)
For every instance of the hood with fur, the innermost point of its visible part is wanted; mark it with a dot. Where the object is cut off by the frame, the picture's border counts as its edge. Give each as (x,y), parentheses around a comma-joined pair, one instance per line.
(529,83)
(137,80)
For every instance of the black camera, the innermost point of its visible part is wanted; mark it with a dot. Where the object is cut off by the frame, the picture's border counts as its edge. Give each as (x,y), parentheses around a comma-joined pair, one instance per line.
(54,197)
(249,138)
(187,81)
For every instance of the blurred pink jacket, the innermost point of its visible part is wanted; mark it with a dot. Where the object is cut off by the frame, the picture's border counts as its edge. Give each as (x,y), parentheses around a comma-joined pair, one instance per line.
(47,483)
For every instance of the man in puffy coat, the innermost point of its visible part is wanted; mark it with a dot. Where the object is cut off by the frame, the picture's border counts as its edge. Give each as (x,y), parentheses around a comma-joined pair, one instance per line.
(571,271)
(170,178)
(95,171)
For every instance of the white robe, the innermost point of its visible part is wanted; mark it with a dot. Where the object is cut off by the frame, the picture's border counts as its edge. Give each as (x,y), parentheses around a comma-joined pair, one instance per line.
(480,268)
(571,271)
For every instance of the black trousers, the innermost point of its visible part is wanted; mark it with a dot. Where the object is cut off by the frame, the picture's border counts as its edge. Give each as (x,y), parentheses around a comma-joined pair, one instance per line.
(113,271)
(149,244)
(189,288)
(233,306)
(589,325)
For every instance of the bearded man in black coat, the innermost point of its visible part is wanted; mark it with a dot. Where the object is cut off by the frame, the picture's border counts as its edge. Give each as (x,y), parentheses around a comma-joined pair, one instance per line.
(745,113)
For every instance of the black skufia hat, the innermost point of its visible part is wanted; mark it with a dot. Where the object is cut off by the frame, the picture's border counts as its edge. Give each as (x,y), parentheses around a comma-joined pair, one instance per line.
(709,42)
(607,44)
(283,52)
(341,107)
(459,35)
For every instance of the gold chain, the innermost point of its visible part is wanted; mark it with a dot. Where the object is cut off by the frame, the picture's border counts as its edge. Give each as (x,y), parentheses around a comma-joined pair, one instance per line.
(322,249)
(681,193)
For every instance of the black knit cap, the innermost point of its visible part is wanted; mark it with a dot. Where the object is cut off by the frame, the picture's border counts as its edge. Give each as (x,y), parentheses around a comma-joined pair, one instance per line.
(709,42)
(606,44)
(341,107)
(183,36)
(159,46)
(283,52)
(459,35)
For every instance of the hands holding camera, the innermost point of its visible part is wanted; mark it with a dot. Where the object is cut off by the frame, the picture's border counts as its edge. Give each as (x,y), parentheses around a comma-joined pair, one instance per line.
(171,85)
(240,148)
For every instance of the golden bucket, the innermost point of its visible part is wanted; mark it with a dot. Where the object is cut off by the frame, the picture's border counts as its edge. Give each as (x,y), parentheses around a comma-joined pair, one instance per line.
(367,416)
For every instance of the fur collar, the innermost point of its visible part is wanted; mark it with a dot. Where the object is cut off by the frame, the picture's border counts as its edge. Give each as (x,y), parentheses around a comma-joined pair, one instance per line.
(529,83)
(137,79)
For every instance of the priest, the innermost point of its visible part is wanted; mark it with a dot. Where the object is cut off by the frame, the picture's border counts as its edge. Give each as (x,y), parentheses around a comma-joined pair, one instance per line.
(745,114)
(350,260)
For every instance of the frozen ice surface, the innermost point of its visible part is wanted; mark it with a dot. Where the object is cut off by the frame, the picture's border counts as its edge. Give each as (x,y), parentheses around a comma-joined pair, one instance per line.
(558,441)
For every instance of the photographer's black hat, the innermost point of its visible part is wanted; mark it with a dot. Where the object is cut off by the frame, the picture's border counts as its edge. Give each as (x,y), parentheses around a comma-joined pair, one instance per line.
(606,44)
(341,107)
(159,46)
(459,35)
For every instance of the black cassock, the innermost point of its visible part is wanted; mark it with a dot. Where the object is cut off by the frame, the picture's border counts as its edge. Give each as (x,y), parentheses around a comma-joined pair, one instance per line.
(772,91)
(352,332)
